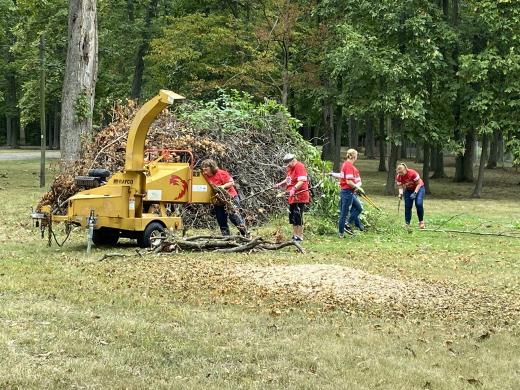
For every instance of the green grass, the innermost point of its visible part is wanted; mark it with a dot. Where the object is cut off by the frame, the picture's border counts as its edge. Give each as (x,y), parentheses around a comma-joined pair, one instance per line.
(180,321)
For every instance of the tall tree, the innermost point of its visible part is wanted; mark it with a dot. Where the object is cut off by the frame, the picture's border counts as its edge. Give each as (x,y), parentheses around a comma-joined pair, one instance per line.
(80,77)
(137,81)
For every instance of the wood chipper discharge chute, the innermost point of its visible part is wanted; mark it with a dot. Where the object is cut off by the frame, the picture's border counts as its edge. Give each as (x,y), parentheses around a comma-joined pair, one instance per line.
(140,202)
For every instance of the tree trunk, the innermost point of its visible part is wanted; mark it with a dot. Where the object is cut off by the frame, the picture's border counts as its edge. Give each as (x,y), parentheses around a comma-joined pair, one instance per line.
(392,160)
(392,164)
(328,139)
(56,126)
(437,162)
(493,150)
(464,162)
(80,77)
(11,107)
(469,156)
(426,166)
(353,133)
(137,81)
(337,138)
(419,149)
(370,140)
(477,192)
(382,144)
(403,149)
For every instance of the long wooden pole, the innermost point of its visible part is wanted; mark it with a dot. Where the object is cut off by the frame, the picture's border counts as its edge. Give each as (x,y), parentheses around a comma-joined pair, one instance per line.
(43,135)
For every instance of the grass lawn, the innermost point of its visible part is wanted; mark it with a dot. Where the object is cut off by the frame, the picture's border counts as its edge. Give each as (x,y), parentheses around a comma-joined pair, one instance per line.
(385,310)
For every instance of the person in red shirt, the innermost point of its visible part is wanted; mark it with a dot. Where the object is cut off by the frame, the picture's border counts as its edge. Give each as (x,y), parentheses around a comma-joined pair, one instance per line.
(296,184)
(221,178)
(350,184)
(412,187)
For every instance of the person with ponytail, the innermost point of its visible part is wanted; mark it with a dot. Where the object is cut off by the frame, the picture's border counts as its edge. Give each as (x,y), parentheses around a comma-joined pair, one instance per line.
(350,183)
(411,187)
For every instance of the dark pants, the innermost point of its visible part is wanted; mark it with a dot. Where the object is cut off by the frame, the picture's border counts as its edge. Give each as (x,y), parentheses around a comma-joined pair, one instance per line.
(349,202)
(408,204)
(296,214)
(222,215)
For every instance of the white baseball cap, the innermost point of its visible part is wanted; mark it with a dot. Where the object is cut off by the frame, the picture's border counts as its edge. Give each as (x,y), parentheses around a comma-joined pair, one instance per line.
(288,158)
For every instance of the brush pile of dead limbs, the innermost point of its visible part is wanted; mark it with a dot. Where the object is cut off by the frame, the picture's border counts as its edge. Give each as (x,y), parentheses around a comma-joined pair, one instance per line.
(222,244)
(251,152)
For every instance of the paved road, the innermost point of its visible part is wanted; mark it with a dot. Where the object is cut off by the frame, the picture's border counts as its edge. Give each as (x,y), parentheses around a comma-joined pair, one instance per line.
(29,155)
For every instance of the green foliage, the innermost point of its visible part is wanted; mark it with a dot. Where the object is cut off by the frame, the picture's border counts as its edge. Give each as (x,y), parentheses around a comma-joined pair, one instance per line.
(235,111)
(82,109)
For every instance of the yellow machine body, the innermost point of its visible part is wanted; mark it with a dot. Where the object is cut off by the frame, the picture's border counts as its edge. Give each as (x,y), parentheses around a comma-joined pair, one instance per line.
(132,199)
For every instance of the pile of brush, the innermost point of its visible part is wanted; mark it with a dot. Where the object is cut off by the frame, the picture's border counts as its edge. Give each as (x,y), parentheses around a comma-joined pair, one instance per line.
(249,141)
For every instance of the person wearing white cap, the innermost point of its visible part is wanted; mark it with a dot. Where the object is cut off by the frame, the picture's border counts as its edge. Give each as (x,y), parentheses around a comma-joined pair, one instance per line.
(297,185)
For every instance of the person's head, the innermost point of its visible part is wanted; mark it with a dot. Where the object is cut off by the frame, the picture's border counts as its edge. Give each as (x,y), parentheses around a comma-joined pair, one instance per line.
(401,169)
(352,155)
(209,167)
(289,160)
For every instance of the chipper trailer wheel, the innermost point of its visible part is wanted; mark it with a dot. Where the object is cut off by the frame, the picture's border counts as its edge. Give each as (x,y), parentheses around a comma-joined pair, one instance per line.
(153,235)
(105,236)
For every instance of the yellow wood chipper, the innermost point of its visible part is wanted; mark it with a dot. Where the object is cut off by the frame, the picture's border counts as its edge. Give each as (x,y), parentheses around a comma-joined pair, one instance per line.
(140,202)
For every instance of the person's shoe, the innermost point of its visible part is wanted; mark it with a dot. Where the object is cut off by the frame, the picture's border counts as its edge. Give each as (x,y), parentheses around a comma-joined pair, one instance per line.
(297,239)
(340,235)
(421,225)
(348,230)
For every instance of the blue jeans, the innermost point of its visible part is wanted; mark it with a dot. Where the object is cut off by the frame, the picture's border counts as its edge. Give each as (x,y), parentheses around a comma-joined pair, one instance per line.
(408,204)
(349,202)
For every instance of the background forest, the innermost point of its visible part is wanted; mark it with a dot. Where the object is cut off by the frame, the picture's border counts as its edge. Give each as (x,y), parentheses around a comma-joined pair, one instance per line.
(394,78)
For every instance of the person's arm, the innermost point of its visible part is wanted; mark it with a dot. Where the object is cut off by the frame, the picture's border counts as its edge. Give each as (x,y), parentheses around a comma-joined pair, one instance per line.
(230,183)
(282,184)
(420,183)
(337,175)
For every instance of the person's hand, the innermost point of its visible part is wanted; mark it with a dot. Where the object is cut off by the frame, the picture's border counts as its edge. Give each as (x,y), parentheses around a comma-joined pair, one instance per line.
(277,185)
(360,190)
(413,195)
(292,192)
(400,196)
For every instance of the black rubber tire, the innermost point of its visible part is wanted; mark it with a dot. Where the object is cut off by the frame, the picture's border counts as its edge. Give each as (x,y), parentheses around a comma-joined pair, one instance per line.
(99,172)
(105,236)
(151,234)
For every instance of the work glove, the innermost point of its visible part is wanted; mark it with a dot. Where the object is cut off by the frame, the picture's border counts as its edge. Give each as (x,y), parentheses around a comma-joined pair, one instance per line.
(400,196)
(413,195)
(360,191)
(292,192)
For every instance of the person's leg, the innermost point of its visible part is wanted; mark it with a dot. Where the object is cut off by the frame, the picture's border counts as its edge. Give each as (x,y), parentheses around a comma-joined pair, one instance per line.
(355,211)
(222,217)
(408,203)
(236,219)
(299,220)
(291,217)
(345,201)
(419,200)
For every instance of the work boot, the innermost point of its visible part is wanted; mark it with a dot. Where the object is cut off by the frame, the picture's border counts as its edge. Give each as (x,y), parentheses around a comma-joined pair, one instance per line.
(244,232)
(421,225)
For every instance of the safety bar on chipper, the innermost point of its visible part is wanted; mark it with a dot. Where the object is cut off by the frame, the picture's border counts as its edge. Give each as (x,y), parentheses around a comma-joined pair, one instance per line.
(167,152)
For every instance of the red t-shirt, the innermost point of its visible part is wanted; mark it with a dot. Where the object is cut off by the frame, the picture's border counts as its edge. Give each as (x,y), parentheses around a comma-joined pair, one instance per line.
(294,175)
(349,172)
(222,177)
(410,179)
